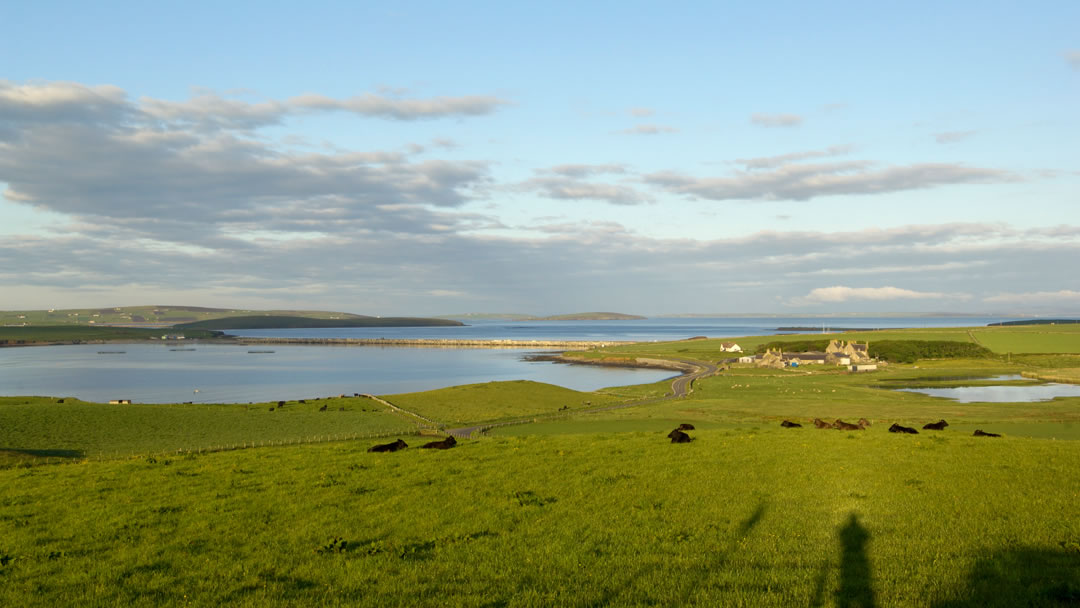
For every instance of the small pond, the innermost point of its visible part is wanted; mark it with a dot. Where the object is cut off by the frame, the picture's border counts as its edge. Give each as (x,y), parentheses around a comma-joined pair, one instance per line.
(1017,393)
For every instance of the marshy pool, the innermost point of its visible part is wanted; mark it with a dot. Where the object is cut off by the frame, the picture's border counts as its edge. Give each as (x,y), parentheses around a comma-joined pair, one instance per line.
(1014,393)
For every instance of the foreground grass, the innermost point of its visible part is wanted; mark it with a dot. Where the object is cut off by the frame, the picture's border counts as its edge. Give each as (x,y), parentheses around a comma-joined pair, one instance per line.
(35,428)
(774,518)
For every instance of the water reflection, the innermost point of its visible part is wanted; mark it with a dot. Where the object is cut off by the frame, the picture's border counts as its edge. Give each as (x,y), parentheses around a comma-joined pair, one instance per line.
(1001,394)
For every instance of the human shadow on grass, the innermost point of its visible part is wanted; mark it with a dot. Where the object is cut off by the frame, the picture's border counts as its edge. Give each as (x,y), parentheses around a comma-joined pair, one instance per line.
(856,578)
(1023,577)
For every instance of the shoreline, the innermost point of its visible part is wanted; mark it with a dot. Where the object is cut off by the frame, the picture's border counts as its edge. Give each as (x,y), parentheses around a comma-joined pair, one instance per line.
(382,342)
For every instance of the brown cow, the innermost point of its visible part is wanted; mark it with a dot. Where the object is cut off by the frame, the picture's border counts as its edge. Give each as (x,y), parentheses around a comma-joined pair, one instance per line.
(686,426)
(982,433)
(896,428)
(821,424)
(389,447)
(790,425)
(678,436)
(935,426)
(444,444)
(863,422)
(840,425)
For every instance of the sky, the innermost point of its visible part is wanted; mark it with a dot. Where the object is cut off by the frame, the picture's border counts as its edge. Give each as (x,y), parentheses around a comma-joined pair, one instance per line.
(425,158)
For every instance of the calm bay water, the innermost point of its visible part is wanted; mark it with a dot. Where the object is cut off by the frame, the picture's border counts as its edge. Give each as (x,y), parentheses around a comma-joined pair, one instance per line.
(226,373)
(155,373)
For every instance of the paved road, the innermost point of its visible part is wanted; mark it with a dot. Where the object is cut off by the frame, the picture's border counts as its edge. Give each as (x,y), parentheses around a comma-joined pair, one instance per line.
(680,387)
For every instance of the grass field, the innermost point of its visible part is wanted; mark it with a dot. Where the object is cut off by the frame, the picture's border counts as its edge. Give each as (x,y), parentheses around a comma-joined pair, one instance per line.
(770,518)
(587,509)
(86,333)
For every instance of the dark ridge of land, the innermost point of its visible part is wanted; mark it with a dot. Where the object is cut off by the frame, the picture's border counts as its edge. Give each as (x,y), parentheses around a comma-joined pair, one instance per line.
(593,316)
(77,334)
(289,322)
(1035,322)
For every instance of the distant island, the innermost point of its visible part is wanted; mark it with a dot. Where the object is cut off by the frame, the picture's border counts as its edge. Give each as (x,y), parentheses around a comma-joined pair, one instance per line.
(294,322)
(578,316)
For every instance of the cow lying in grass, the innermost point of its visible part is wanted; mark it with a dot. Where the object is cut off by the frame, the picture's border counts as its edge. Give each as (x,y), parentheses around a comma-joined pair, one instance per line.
(896,428)
(787,424)
(821,424)
(686,426)
(935,426)
(846,426)
(389,447)
(445,444)
(678,436)
(982,433)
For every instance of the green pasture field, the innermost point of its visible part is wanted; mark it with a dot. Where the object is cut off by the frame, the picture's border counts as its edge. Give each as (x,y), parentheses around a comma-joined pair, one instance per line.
(472,403)
(39,428)
(771,518)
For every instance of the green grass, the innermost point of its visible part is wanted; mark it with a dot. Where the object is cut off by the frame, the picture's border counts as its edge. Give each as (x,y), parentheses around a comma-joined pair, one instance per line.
(161,315)
(285,321)
(471,403)
(39,428)
(770,518)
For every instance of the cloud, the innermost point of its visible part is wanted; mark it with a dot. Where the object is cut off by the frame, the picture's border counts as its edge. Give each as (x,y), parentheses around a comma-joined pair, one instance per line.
(402,109)
(776,120)
(648,130)
(641,112)
(1072,58)
(769,162)
(806,181)
(1039,298)
(584,170)
(843,294)
(572,188)
(951,137)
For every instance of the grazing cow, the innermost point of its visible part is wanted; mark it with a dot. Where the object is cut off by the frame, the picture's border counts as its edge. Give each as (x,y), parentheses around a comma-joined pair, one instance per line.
(896,428)
(445,444)
(271,409)
(389,447)
(323,408)
(790,425)
(301,401)
(678,436)
(935,426)
(281,404)
(686,426)
(840,425)
(59,400)
(821,424)
(863,422)
(982,433)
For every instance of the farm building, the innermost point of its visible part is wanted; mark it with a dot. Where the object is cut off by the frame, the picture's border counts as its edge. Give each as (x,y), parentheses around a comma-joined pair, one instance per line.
(730,347)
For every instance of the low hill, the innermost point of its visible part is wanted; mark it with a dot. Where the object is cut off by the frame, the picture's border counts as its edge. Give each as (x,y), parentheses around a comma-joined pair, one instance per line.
(294,322)
(593,316)
(146,316)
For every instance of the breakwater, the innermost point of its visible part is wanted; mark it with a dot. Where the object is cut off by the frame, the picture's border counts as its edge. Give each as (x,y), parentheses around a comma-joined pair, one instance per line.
(435,343)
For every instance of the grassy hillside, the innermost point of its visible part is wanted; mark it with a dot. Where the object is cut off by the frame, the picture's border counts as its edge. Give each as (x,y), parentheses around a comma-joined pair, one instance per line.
(158,316)
(290,322)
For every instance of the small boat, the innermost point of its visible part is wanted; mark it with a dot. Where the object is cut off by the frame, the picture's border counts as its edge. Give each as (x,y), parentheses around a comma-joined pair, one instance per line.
(112,352)
(185,349)
(256,352)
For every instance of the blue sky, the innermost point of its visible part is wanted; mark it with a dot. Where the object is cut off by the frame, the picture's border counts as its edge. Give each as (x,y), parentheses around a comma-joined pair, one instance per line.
(428,158)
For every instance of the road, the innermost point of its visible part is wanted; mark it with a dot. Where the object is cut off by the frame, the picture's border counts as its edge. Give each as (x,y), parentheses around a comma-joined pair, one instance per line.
(680,387)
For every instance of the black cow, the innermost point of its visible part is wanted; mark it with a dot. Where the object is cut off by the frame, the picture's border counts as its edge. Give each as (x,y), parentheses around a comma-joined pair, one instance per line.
(323,408)
(982,433)
(686,426)
(896,428)
(281,404)
(790,425)
(678,436)
(444,444)
(935,426)
(389,447)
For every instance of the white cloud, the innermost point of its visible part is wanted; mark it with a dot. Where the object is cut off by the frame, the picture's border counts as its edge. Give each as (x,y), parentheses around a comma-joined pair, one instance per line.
(1064,296)
(770,162)
(839,294)
(776,120)
(952,137)
(806,181)
(641,112)
(649,130)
